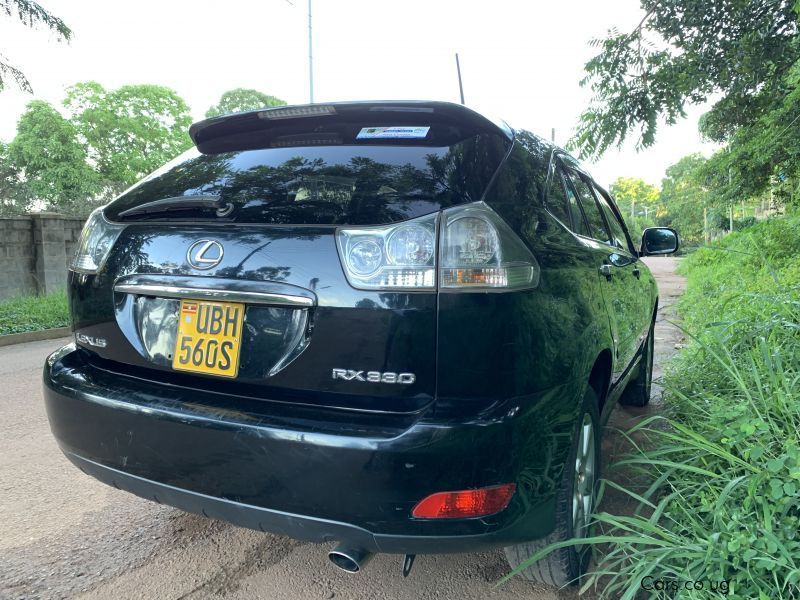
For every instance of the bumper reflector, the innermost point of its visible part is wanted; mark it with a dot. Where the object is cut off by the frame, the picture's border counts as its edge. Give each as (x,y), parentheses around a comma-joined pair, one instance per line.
(465,503)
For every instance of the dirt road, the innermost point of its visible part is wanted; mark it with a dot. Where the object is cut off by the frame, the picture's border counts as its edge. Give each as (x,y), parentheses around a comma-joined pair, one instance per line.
(63,534)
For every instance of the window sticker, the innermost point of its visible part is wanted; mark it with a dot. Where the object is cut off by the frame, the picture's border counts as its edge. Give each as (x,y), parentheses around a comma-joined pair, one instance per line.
(371,133)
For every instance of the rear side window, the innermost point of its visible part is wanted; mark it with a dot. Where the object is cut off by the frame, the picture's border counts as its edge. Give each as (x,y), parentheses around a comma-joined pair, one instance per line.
(519,189)
(618,237)
(355,183)
(557,202)
(597,227)
(578,222)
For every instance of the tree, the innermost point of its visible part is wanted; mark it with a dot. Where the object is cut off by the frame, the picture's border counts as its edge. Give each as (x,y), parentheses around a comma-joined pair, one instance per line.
(31,15)
(688,51)
(634,195)
(130,131)
(46,150)
(15,196)
(241,99)
(637,200)
(685,195)
(765,152)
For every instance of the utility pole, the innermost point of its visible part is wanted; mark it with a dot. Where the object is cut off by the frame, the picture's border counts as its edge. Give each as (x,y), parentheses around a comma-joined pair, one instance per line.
(460,85)
(311,60)
(553,135)
(730,208)
(705,224)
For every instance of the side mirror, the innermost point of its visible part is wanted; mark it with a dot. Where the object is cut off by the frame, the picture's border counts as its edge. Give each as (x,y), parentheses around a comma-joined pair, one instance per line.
(659,240)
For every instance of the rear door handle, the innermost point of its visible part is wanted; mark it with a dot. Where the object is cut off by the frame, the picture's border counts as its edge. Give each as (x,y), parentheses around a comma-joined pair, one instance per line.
(637,273)
(605,271)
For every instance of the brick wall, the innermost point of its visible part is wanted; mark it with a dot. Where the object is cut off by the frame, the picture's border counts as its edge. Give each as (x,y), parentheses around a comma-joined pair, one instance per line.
(34,252)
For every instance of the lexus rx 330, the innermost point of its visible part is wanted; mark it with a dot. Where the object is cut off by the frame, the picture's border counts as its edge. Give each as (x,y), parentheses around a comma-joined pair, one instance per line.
(397,326)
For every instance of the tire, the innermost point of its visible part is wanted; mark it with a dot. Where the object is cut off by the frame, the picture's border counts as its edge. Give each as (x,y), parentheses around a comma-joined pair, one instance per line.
(566,565)
(637,392)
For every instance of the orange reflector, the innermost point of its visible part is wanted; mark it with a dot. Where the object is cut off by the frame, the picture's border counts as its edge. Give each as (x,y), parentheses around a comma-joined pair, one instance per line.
(466,503)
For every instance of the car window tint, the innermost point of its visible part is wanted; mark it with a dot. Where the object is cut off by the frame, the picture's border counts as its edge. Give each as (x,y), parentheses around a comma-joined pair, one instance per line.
(597,228)
(619,239)
(518,191)
(578,222)
(365,182)
(557,200)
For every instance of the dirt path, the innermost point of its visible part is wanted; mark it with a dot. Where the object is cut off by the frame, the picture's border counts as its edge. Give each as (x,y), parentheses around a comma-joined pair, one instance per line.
(63,534)
(668,337)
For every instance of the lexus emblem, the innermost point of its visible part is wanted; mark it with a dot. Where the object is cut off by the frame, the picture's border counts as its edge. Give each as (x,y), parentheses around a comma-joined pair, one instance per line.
(205,254)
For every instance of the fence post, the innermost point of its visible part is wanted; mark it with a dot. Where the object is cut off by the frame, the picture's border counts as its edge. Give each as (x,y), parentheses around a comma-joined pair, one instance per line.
(49,252)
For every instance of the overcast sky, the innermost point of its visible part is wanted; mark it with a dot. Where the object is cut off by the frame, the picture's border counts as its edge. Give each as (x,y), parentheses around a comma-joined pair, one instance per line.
(520,61)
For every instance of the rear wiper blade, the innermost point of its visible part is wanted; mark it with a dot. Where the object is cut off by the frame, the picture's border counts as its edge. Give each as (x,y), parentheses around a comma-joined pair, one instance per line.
(208,202)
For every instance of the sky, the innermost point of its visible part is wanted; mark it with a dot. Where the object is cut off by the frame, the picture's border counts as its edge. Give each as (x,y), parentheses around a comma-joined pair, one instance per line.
(520,61)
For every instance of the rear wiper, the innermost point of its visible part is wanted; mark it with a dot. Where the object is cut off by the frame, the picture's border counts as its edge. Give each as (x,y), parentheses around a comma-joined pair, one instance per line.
(207,202)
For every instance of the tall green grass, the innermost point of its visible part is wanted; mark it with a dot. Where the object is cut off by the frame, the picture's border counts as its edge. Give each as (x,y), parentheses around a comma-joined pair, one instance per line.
(717,490)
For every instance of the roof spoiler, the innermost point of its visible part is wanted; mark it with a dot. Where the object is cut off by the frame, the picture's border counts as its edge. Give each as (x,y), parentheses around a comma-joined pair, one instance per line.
(206,134)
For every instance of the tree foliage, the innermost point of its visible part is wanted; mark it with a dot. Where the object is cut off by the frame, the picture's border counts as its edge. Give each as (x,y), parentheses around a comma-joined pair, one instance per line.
(689,51)
(14,192)
(46,150)
(241,99)
(637,201)
(632,192)
(684,196)
(765,153)
(34,16)
(130,131)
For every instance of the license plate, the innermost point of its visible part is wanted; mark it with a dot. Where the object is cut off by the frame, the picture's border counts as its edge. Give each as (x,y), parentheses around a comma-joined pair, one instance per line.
(209,337)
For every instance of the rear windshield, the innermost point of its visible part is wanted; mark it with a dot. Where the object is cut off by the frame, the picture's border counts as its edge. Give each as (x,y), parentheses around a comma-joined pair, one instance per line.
(367,184)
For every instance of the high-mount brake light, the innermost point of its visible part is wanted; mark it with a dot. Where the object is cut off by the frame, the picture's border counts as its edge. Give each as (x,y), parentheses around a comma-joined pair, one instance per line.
(465,504)
(97,239)
(293,112)
(478,250)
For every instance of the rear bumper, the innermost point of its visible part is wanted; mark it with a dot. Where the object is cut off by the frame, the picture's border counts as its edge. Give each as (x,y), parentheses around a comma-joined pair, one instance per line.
(282,523)
(181,448)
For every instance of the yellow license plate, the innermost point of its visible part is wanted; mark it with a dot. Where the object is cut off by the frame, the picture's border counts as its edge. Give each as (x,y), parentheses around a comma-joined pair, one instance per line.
(209,337)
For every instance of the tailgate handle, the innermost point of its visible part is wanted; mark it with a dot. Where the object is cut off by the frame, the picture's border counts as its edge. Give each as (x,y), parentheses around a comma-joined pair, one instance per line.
(161,290)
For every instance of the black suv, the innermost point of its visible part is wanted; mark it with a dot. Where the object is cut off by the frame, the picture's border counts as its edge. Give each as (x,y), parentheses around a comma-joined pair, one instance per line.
(393,325)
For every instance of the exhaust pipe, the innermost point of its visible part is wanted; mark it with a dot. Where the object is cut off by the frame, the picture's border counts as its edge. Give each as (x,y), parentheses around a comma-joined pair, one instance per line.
(349,559)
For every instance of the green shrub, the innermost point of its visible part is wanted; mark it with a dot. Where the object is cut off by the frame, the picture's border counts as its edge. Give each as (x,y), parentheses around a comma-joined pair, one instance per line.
(717,478)
(32,313)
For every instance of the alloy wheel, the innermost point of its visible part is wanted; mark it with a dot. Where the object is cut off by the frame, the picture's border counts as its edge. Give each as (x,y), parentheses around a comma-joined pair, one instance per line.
(585,473)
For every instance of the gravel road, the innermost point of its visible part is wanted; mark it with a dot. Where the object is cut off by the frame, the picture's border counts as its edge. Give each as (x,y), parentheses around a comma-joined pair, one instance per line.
(63,534)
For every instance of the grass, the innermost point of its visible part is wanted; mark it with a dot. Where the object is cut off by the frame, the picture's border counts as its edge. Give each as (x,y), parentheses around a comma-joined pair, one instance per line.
(33,313)
(717,490)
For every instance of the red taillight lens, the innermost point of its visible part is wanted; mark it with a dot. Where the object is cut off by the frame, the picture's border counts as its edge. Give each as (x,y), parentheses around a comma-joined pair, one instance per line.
(465,504)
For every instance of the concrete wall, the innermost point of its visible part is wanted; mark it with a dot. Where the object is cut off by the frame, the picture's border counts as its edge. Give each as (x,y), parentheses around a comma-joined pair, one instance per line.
(35,251)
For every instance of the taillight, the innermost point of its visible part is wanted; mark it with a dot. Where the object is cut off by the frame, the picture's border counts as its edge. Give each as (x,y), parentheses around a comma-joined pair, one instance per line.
(97,239)
(477,251)
(390,257)
(466,503)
